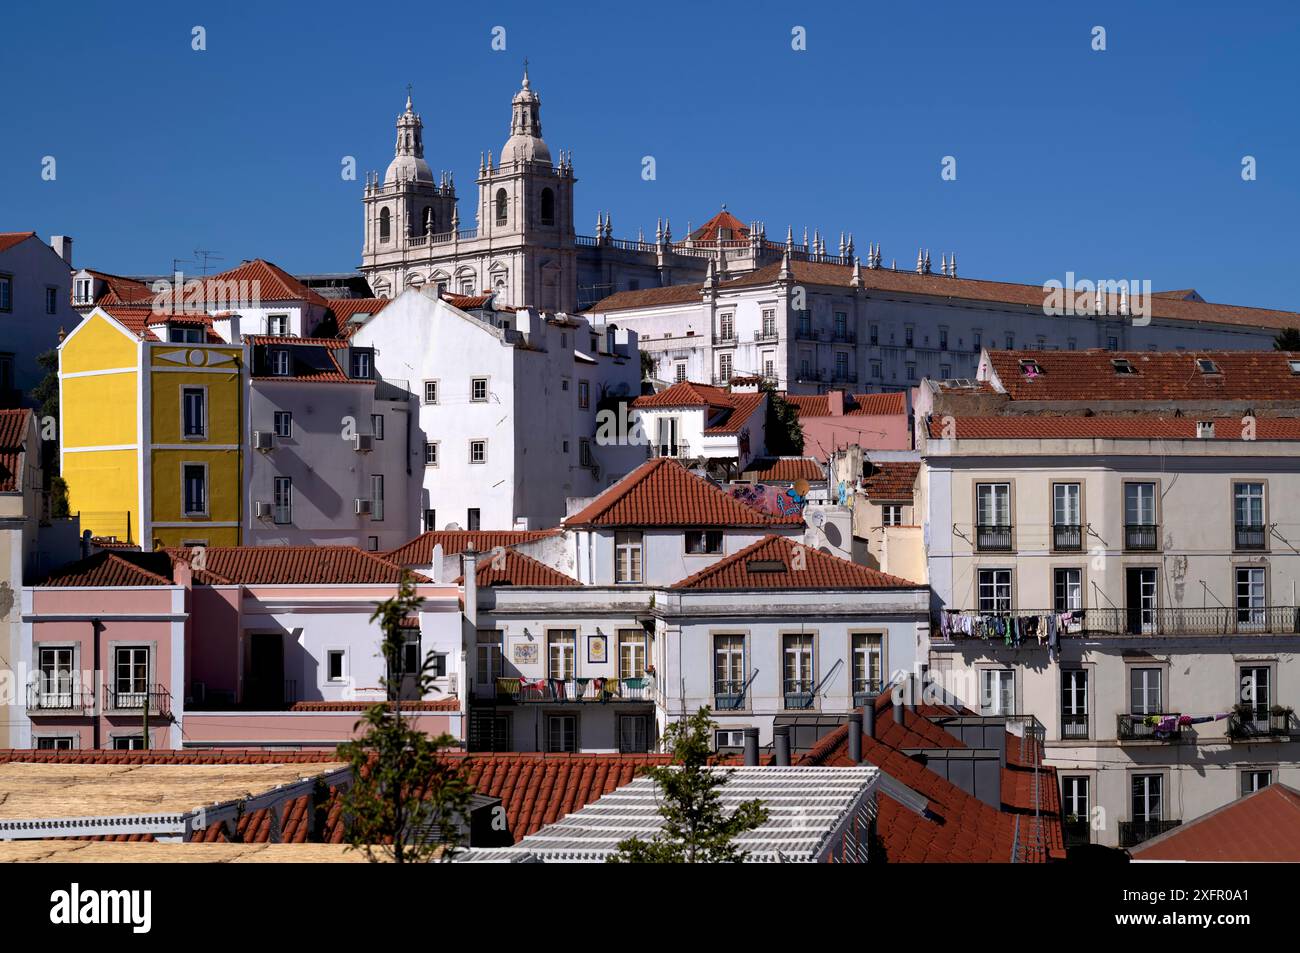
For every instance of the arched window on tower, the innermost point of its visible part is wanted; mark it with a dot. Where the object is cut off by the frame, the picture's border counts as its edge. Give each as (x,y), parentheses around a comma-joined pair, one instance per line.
(428,220)
(548,207)
(385,225)
(503,204)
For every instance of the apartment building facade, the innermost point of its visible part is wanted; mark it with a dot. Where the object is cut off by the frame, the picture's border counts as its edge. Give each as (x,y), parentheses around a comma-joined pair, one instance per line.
(34,309)
(1111,549)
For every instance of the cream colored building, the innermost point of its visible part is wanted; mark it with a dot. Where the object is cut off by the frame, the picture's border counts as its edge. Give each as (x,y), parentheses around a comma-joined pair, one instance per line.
(1162,514)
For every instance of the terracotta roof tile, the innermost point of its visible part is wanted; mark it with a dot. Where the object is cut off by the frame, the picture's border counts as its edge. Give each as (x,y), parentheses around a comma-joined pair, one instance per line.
(293,565)
(118,568)
(9,239)
(419,551)
(661,492)
(1263,827)
(855,405)
(727,411)
(770,564)
(786,469)
(518,570)
(14,426)
(1116,427)
(268,281)
(345,309)
(708,233)
(891,481)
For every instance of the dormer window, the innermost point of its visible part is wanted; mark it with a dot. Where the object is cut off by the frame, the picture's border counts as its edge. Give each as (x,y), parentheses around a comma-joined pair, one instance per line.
(280,362)
(1030,368)
(85,290)
(1204,429)
(1206,366)
(1122,365)
(1295,366)
(361,367)
(277,325)
(183,335)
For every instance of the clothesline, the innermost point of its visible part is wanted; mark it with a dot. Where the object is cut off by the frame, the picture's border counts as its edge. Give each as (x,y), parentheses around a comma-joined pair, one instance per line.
(1013,629)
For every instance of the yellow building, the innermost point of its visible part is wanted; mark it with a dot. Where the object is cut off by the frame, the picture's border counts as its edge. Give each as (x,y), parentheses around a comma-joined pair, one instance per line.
(152,428)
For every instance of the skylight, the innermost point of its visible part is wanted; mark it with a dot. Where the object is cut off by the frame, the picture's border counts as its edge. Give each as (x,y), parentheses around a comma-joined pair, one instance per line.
(1123,366)
(1207,366)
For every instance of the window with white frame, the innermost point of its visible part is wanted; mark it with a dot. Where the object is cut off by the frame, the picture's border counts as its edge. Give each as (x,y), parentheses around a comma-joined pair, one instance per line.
(997,691)
(1250,595)
(488,664)
(478,389)
(277,325)
(561,733)
(1255,691)
(430,392)
(728,664)
(377,426)
(1146,691)
(891,514)
(1255,779)
(679,371)
(701,542)
(1074,703)
(130,676)
(561,651)
(1140,504)
(1067,589)
(993,504)
(478,451)
(627,557)
(797,663)
(361,365)
(194,413)
(283,500)
(868,664)
(726,326)
(283,423)
(724,367)
(56,743)
(334,668)
(769,322)
(729,738)
(279,362)
(128,742)
(994,590)
(631,653)
(1147,802)
(377,497)
(431,453)
(57,678)
(1075,801)
(633,734)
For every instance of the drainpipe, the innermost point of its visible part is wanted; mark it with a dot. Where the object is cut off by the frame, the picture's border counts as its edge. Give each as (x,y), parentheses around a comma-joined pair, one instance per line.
(855,737)
(751,747)
(98,688)
(781,744)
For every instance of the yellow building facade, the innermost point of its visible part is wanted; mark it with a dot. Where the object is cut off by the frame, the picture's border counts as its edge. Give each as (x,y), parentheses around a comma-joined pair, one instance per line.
(151,431)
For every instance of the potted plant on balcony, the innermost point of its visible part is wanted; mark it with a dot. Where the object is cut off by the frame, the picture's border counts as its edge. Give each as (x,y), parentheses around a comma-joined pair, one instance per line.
(1280,719)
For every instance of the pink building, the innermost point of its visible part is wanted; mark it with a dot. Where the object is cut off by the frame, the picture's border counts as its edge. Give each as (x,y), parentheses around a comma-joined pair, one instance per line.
(835,420)
(250,647)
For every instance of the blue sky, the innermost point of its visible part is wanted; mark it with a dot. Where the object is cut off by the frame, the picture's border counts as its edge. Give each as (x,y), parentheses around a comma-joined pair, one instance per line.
(1117,164)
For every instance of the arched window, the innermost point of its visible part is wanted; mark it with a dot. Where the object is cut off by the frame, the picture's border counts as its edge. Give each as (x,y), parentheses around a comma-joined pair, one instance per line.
(428,220)
(502,206)
(385,225)
(548,207)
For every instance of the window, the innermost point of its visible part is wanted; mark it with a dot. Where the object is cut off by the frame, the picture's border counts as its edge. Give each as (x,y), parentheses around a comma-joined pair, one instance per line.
(631,653)
(385,225)
(769,322)
(372,543)
(877,369)
(547,207)
(679,372)
(283,423)
(478,451)
(283,504)
(875,335)
(179,335)
(1011,341)
(975,341)
(868,665)
(1250,595)
(1075,804)
(841,326)
(472,518)
(584,452)
(1206,366)
(561,646)
(1030,368)
(194,481)
(633,733)
(562,733)
(128,743)
(769,365)
(728,738)
(908,336)
(564,384)
(724,367)
(431,453)
(729,669)
(1112,344)
(6,293)
(1122,365)
(503,207)
(430,519)
(1255,692)
(993,516)
(1248,515)
(361,365)
(194,412)
(1146,695)
(489,664)
(478,389)
(56,678)
(945,372)
(891,514)
(841,365)
(130,676)
(797,670)
(997,691)
(377,497)
(584,395)
(1074,703)
(55,743)
(277,325)
(334,665)
(430,392)
(83,290)
(911,372)
(1295,366)
(1146,802)
(994,590)
(1067,589)
(377,426)
(1252,780)
(1067,531)
(564,446)
(280,362)
(701,542)
(627,557)
(943,339)
(1140,516)
(726,326)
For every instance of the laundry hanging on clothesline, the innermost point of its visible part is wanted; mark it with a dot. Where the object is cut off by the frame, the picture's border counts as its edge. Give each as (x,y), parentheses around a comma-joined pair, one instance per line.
(1015,630)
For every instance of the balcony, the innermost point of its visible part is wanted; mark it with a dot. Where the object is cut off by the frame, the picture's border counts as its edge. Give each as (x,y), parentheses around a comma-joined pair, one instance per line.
(56,699)
(799,693)
(153,698)
(844,337)
(270,693)
(729,695)
(993,538)
(1205,622)
(1142,537)
(725,339)
(764,337)
(532,691)
(1249,537)
(1077,831)
(1067,537)
(841,375)
(678,449)
(1155,726)
(1073,726)
(1247,723)
(805,334)
(865,691)
(1132,833)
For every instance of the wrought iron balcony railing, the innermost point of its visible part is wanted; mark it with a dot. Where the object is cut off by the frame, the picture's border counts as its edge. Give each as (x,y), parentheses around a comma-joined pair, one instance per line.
(1207,622)
(1074,725)
(1067,537)
(156,698)
(1247,723)
(59,699)
(993,537)
(1150,726)
(1141,536)
(1249,537)
(1132,833)
(865,690)
(524,691)
(729,695)
(677,449)
(798,692)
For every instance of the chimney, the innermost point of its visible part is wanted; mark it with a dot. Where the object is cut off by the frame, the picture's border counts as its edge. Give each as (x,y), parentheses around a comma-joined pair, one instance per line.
(855,737)
(898,709)
(469,563)
(781,744)
(62,245)
(913,689)
(869,716)
(751,747)
(437,562)
(835,401)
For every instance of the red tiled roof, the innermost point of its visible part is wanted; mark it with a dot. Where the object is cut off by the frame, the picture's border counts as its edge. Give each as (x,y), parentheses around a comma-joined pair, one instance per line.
(325,370)
(855,405)
(728,410)
(786,469)
(708,232)
(419,551)
(891,482)
(518,570)
(1161,375)
(1126,427)
(9,239)
(121,291)
(467,302)
(114,569)
(14,425)
(661,492)
(770,564)
(1263,827)
(345,309)
(293,566)
(270,282)
(1030,298)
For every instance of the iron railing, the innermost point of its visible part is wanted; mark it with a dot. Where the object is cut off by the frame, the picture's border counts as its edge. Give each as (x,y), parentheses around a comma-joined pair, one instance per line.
(1067,537)
(865,690)
(54,699)
(1151,726)
(677,449)
(1132,833)
(1259,723)
(1074,726)
(1077,831)
(1141,536)
(524,691)
(157,699)
(271,692)
(1249,537)
(993,537)
(798,692)
(729,695)
(1206,622)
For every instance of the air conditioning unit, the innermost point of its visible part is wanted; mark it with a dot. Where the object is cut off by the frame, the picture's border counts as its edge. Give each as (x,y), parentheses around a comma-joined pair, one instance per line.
(263,439)
(362,507)
(363,443)
(262,510)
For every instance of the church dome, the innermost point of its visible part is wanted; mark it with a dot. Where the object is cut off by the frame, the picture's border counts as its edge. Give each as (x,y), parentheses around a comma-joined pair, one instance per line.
(526,143)
(408,167)
(408,156)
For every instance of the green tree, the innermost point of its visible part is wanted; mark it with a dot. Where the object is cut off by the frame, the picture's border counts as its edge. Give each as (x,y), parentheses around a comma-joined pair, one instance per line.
(406,802)
(696,829)
(784,436)
(1288,340)
(647,366)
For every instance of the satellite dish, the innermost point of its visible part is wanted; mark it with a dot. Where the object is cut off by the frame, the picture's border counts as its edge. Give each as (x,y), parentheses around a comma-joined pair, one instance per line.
(451,527)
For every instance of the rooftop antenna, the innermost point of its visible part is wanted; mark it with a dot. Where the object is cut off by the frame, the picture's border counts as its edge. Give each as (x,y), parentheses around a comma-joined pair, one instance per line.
(205,255)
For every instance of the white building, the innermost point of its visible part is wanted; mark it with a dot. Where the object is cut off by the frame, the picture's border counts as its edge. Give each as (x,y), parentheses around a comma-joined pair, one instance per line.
(1112,549)
(719,427)
(506,424)
(34,308)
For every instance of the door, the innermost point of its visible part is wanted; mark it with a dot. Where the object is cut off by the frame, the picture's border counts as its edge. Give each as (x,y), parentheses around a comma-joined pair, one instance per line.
(1140,598)
(56,678)
(266,671)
